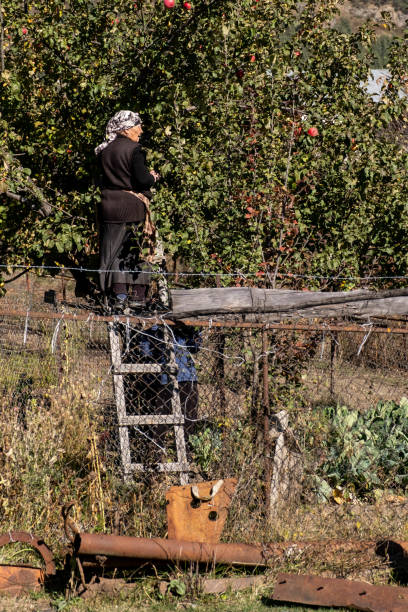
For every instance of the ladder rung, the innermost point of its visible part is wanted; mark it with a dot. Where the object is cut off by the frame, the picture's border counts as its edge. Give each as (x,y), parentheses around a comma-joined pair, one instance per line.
(160,467)
(139,368)
(151,419)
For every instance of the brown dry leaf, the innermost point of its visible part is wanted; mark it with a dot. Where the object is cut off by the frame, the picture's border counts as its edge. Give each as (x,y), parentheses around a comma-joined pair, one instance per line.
(338,495)
(395,499)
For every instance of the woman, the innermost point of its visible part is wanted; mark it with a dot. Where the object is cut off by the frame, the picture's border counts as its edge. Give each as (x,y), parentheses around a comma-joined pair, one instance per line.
(126,184)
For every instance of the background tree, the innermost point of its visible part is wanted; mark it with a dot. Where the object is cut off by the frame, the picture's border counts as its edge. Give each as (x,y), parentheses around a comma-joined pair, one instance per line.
(275,162)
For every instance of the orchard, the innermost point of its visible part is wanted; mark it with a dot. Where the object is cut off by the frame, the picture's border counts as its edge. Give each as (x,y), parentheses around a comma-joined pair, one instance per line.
(274,161)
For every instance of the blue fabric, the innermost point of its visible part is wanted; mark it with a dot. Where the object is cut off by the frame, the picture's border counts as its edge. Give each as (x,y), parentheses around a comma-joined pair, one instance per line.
(185,343)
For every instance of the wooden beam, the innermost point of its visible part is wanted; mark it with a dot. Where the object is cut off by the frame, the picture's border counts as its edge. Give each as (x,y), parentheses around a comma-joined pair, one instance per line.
(239,300)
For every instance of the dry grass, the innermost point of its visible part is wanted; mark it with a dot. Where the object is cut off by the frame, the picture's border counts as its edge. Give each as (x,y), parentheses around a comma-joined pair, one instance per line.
(257,599)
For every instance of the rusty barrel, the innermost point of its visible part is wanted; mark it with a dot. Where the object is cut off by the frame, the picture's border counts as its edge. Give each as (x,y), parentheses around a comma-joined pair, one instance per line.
(159,549)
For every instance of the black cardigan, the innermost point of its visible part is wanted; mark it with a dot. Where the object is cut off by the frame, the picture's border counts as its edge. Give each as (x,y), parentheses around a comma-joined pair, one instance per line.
(124,169)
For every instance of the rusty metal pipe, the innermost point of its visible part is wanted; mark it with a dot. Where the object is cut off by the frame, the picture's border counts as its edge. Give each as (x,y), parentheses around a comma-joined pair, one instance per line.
(110,550)
(89,545)
(353,328)
(158,549)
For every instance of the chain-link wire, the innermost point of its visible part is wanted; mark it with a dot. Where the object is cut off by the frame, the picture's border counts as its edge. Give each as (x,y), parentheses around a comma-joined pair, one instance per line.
(299,417)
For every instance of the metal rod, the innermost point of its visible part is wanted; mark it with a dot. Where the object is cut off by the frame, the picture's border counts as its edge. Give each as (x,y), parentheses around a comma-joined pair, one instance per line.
(200,323)
(333,343)
(266,425)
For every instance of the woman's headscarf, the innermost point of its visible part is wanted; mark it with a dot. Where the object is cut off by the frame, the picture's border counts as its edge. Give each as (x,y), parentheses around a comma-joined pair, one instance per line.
(123,120)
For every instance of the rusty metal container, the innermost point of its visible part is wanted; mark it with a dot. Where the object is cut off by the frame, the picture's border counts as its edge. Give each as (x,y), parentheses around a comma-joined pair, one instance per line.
(197,513)
(19,580)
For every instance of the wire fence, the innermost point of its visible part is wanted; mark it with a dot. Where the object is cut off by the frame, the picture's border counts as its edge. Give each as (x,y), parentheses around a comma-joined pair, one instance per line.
(110,412)
(240,274)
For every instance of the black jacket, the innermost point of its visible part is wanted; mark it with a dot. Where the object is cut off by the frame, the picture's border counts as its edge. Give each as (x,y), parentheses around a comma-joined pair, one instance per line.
(124,169)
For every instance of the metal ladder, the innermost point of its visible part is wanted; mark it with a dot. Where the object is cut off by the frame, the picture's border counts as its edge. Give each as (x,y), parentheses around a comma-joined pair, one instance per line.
(126,421)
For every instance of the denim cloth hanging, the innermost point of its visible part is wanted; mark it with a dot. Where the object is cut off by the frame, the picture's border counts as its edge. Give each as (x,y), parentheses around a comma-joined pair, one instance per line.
(185,343)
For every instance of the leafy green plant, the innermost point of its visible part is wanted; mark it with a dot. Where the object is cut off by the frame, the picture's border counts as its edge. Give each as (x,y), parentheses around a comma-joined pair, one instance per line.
(177,587)
(367,450)
(206,447)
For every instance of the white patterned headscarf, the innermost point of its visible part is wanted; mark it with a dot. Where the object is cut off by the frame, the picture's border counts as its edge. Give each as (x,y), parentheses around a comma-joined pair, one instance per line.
(123,120)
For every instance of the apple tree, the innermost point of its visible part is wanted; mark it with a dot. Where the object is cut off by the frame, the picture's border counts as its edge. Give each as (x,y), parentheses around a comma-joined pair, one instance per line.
(275,162)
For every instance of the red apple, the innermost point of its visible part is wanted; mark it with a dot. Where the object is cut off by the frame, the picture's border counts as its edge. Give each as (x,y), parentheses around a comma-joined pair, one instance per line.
(168,3)
(187,5)
(313,132)
(24,31)
(253,58)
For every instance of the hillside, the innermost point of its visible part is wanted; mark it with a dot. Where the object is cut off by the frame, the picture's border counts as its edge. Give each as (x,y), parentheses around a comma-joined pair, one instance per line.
(356,11)
(399,5)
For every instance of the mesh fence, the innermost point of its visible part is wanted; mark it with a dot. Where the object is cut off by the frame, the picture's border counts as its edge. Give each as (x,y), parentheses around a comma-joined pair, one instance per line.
(311,419)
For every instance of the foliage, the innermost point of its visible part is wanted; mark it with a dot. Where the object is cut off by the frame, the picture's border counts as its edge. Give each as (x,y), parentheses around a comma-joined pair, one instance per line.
(367,450)
(177,587)
(206,447)
(380,51)
(227,92)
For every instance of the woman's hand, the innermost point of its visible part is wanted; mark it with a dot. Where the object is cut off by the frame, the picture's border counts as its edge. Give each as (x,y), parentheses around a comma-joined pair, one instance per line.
(155,175)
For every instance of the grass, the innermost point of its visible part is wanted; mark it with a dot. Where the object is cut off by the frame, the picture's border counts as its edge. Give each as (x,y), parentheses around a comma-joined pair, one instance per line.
(248,601)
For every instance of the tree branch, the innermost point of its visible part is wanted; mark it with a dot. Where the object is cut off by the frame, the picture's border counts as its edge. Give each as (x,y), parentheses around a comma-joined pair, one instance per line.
(1,40)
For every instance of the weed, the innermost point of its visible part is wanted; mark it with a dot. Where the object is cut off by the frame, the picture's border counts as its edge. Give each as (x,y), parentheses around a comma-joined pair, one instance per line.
(206,447)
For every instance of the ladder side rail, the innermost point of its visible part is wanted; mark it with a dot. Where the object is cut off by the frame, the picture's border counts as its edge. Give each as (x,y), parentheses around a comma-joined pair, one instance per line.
(120,400)
(179,432)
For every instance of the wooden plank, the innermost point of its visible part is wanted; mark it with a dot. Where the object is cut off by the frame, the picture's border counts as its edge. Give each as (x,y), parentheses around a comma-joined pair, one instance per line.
(160,467)
(114,339)
(190,302)
(151,419)
(223,585)
(354,310)
(286,467)
(138,368)
(204,301)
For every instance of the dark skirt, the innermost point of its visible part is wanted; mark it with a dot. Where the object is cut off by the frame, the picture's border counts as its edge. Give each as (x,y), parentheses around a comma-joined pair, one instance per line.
(120,256)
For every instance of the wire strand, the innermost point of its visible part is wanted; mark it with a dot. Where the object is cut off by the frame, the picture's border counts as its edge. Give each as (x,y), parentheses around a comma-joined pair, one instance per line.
(236,274)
